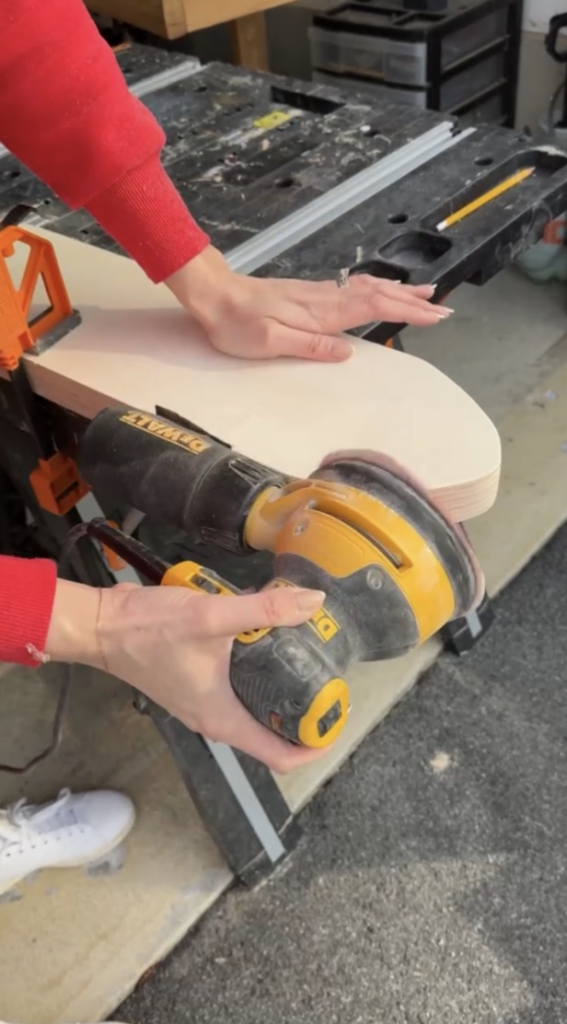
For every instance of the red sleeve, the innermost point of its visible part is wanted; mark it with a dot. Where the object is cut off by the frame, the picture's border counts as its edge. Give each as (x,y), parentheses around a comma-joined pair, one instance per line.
(67,113)
(27,592)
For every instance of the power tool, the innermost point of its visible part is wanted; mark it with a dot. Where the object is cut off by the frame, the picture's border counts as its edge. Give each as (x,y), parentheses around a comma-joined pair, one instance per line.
(361,529)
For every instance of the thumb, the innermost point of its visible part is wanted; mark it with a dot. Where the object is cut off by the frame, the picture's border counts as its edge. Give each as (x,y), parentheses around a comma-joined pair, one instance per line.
(282,606)
(320,348)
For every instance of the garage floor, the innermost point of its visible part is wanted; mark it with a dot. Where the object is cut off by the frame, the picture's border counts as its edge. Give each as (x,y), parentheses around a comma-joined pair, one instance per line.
(72,947)
(432,882)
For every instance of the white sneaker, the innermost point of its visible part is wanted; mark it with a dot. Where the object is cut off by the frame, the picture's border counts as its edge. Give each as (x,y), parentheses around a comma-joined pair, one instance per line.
(74,830)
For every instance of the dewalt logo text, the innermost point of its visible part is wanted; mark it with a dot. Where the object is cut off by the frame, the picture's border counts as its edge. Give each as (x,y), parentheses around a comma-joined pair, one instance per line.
(324,625)
(166,431)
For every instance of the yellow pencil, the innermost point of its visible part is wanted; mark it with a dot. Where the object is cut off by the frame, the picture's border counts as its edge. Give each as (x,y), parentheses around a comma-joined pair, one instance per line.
(486,198)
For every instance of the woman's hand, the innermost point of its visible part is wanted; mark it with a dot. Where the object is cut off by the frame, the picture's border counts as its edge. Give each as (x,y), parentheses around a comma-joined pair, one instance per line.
(175,646)
(261,318)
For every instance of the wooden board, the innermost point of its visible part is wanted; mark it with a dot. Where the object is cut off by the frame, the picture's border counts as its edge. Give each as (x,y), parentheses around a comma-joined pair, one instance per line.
(174,18)
(203,13)
(136,346)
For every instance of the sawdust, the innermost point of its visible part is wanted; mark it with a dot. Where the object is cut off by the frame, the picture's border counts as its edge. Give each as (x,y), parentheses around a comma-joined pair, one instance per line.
(441,762)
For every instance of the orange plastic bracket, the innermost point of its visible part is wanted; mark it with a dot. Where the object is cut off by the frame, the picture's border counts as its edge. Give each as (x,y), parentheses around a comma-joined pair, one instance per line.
(57,485)
(55,480)
(18,334)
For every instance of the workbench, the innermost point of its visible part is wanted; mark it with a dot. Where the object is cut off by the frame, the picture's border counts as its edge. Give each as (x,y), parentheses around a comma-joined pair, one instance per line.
(247,153)
(172,19)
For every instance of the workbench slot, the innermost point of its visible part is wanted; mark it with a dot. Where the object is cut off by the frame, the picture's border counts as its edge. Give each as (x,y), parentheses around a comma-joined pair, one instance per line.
(414,249)
(383,269)
(546,162)
(304,101)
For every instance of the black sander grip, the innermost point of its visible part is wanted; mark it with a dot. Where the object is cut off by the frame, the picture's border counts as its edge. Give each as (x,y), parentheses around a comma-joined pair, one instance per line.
(174,474)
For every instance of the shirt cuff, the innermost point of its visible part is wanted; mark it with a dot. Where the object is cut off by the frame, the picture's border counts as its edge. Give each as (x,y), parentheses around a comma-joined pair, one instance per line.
(27,594)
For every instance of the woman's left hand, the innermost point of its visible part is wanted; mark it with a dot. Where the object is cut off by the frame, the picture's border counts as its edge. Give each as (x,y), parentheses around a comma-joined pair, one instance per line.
(263,318)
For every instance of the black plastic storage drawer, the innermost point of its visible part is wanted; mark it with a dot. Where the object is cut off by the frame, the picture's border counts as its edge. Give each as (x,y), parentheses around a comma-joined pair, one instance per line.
(438,60)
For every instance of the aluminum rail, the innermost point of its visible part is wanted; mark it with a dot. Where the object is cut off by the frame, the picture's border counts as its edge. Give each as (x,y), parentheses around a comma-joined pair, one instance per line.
(303,223)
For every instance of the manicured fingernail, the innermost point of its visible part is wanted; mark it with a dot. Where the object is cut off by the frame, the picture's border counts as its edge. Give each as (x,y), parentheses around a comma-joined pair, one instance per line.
(342,352)
(444,314)
(310,600)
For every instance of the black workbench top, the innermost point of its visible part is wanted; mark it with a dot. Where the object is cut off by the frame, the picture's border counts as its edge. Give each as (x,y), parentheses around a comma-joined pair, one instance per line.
(246,149)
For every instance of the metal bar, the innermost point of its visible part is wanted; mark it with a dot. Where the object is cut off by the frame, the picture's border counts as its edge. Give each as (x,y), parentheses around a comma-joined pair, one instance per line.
(474,624)
(248,800)
(168,77)
(280,237)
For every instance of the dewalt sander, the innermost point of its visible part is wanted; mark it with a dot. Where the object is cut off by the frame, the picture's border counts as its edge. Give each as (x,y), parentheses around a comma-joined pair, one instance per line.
(393,567)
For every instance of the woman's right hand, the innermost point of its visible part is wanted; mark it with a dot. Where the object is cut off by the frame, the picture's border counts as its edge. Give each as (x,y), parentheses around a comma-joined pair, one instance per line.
(174,646)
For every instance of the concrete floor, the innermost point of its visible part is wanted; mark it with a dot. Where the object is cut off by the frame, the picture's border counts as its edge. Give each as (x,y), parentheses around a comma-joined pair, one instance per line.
(503,338)
(432,882)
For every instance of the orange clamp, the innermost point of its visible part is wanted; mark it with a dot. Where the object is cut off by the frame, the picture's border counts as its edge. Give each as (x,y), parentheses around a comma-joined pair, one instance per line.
(19,333)
(57,484)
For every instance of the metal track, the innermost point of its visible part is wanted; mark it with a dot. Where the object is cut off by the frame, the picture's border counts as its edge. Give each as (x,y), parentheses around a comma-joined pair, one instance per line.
(168,77)
(298,226)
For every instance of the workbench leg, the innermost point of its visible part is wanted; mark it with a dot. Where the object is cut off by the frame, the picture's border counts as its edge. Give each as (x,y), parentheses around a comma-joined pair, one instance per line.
(236,797)
(249,42)
(461,635)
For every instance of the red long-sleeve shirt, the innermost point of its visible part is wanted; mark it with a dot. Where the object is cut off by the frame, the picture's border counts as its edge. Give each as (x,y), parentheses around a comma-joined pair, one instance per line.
(67,114)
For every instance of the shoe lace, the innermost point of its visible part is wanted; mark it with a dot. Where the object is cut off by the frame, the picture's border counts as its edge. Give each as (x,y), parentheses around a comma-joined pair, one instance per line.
(17,822)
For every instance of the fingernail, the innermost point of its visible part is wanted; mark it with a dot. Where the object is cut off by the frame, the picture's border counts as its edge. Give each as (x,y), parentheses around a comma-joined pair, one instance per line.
(342,352)
(310,600)
(443,314)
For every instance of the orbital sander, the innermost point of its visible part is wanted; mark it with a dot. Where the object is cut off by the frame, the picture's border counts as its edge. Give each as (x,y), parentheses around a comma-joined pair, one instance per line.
(392,565)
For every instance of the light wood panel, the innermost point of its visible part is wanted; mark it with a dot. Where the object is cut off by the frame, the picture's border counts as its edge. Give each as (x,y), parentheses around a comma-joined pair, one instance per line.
(135,346)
